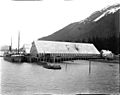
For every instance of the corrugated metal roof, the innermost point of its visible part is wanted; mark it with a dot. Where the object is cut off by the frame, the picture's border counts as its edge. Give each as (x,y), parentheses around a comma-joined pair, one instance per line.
(65,47)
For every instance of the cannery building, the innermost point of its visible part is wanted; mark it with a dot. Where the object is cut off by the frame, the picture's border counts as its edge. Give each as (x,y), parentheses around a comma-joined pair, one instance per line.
(64,50)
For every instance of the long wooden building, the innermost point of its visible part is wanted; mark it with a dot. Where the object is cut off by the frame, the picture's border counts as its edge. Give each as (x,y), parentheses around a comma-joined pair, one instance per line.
(62,50)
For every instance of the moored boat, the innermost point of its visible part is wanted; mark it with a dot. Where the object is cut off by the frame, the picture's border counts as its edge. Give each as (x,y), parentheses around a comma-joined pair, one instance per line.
(14,57)
(52,66)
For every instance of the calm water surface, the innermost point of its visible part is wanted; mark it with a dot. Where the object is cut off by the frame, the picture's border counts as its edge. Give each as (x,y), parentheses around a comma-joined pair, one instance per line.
(33,79)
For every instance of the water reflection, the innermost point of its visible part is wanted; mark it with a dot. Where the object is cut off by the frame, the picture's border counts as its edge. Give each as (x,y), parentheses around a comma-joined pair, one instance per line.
(78,77)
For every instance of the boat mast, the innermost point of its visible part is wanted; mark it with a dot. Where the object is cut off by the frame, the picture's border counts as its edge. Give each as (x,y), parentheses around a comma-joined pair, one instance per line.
(18,41)
(11,43)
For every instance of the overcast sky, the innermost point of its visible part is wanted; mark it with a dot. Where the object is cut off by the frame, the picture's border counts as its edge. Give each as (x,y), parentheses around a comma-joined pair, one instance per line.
(35,19)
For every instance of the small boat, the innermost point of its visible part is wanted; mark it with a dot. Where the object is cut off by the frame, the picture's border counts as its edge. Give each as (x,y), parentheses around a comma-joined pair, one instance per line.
(51,66)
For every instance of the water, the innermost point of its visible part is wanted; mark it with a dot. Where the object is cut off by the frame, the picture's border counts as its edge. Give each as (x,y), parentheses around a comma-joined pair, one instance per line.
(33,79)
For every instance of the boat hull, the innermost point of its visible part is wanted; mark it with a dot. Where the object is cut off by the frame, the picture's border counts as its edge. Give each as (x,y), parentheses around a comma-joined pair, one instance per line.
(49,66)
(18,59)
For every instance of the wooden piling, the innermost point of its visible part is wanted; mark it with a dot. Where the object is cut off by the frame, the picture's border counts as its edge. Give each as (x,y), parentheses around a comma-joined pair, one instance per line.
(89,67)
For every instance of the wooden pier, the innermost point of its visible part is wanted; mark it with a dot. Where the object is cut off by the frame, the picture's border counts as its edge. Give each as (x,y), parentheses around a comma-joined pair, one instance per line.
(58,58)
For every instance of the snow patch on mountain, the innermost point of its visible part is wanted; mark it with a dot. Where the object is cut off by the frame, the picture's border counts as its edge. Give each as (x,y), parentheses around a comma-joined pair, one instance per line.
(99,17)
(106,13)
(113,10)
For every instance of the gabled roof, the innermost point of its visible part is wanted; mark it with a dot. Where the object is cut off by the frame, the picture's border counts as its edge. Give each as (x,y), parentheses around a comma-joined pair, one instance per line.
(65,47)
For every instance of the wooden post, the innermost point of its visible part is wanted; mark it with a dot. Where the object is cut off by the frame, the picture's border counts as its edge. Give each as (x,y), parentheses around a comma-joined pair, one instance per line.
(54,59)
(66,66)
(30,59)
(89,67)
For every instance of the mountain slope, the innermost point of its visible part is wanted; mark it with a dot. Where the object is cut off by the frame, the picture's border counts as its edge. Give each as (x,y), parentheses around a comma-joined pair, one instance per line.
(101,29)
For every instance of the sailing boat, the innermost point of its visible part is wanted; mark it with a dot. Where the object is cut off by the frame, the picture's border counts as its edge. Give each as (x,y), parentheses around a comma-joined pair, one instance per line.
(14,57)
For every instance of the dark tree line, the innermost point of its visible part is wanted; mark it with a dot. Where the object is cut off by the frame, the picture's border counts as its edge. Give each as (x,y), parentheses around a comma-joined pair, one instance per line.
(111,43)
